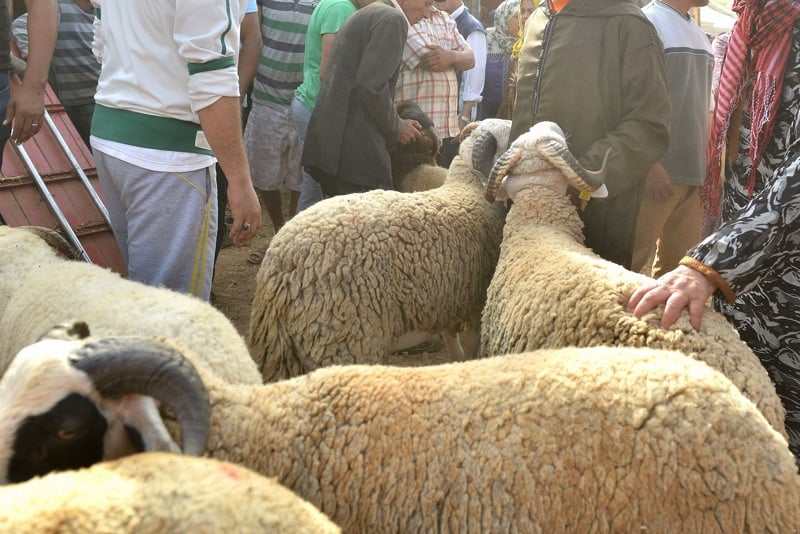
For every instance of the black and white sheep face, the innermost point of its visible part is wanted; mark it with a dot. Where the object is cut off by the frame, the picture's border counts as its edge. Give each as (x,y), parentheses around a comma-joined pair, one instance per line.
(49,412)
(67,404)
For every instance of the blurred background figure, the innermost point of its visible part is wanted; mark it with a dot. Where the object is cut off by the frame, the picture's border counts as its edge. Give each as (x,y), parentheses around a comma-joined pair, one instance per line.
(74,69)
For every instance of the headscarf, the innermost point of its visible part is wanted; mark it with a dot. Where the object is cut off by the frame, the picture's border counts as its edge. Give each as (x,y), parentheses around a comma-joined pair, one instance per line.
(521,33)
(758,50)
(498,40)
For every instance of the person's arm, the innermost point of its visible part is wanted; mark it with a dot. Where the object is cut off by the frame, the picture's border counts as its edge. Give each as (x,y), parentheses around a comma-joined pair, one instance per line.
(472,80)
(25,110)
(250,52)
(327,45)
(733,259)
(207,37)
(375,71)
(438,59)
(222,126)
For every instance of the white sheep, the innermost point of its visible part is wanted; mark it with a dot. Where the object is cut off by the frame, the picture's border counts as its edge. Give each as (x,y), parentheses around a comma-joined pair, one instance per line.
(602,439)
(549,290)
(157,492)
(357,277)
(39,289)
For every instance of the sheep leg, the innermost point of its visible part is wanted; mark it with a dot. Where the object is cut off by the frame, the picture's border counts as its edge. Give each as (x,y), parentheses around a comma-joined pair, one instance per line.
(454,350)
(470,340)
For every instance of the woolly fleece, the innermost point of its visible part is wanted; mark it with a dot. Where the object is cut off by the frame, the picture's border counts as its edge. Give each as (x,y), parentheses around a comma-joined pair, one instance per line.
(550,291)
(157,492)
(342,280)
(40,290)
(572,440)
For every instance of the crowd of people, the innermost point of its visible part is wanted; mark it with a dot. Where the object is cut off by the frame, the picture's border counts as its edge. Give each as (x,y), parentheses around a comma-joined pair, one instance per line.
(699,142)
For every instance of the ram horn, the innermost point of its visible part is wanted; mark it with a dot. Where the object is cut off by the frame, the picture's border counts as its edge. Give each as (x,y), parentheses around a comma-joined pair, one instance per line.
(575,173)
(500,170)
(125,365)
(483,151)
(55,240)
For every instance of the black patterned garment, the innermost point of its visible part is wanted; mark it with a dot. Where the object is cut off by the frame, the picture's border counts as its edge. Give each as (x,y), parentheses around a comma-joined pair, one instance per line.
(757,249)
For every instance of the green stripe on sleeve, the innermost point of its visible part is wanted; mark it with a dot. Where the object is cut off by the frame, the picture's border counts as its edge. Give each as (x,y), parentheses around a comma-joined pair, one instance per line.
(217,64)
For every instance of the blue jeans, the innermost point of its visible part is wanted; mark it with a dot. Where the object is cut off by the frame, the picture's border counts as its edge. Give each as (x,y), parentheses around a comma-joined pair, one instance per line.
(5,96)
(310,190)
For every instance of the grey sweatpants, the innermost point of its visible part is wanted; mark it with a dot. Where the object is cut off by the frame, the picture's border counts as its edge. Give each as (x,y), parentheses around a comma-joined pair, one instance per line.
(164,222)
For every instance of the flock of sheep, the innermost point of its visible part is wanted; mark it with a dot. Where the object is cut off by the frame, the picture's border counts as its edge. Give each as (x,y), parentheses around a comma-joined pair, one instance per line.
(560,411)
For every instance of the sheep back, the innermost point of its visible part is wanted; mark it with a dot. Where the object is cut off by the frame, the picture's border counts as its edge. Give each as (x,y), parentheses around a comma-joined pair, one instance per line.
(550,291)
(574,440)
(344,278)
(157,492)
(112,306)
(21,251)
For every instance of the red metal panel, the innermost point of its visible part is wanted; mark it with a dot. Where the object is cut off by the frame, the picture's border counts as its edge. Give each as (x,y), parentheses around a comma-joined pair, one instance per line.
(22,204)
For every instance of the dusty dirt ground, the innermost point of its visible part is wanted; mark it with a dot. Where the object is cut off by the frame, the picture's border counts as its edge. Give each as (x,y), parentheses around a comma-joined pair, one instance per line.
(235,282)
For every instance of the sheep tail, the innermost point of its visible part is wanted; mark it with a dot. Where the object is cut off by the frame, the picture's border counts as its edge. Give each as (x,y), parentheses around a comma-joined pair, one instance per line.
(271,347)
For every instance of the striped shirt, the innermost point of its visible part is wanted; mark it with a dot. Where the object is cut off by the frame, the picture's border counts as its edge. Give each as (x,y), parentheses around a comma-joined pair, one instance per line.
(74,69)
(283,32)
(436,93)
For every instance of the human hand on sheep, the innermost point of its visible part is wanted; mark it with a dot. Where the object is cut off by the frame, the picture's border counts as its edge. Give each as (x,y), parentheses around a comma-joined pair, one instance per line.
(409,130)
(658,186)
(682,287)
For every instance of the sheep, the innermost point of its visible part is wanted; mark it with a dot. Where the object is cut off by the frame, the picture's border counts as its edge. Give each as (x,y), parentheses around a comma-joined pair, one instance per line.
(414,165)
(549,290)
(157,492)
(357,277)
(39,289)
(593,439)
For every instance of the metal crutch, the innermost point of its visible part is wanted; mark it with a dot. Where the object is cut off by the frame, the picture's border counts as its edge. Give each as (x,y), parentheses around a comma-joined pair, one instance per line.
(51,202)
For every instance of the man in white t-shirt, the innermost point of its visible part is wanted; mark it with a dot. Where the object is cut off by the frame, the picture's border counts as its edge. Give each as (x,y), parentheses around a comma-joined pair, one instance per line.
(162,119)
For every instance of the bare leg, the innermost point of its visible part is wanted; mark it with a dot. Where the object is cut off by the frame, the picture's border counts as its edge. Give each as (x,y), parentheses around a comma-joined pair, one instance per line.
(294,196)
(272,201)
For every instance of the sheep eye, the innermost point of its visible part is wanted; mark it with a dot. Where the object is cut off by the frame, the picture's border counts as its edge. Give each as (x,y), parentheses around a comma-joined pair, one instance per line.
(67,435)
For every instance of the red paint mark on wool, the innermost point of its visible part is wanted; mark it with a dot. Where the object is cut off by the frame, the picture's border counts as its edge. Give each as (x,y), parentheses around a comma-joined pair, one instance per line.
(231,471)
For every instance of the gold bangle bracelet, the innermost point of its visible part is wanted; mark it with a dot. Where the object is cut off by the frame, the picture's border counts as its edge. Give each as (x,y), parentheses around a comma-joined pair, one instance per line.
(712,275)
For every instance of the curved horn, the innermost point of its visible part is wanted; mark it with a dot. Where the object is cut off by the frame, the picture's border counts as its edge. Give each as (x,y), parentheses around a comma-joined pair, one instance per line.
(120,366)
(55,240)
(580,177)
(501,168)
(483,151)
(467,130)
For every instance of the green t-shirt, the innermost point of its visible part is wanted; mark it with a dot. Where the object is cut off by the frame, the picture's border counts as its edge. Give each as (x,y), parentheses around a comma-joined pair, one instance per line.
(328,17)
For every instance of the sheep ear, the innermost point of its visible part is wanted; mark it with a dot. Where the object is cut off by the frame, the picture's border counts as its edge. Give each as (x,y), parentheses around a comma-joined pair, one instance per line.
(135,425)
(67,331)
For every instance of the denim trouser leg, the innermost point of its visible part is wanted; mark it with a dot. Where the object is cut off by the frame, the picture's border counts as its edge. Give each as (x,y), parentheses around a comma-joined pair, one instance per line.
(310,190)
(5,96)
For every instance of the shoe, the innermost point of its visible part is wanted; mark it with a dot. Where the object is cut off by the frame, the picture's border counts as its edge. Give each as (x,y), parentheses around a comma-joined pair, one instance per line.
(425,346)
(255,258)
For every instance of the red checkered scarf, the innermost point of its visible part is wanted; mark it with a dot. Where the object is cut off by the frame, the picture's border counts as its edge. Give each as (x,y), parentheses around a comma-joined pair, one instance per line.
(764,29)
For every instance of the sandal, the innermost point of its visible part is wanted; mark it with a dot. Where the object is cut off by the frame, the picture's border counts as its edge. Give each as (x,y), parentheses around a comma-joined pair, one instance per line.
(255,258)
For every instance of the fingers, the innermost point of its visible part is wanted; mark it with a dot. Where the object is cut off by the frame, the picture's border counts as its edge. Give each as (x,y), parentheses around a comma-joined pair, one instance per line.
(243,231)
(676,302)
(642,300)
(27,129)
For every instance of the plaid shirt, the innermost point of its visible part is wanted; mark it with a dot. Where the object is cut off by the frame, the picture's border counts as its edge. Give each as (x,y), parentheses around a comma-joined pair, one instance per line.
(436,93)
